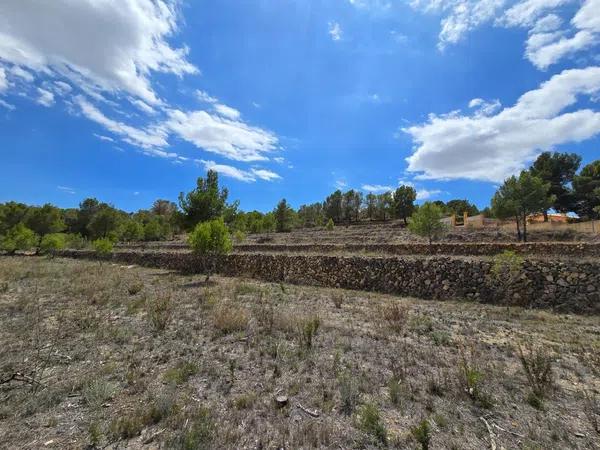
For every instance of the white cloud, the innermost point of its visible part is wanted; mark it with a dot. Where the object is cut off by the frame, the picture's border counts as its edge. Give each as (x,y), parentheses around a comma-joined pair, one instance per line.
(228,171)
(3,80)
(229,138)
(588,17)
(66,189)
(482,108)
(335,31)
(227,111)
(205,97)
(150,139)
(376,188)
(104,138)
(265,174)
(21,73)
(62,87)
(461,16)
(112,45)
(7,105)
(525,13)
(493,147)
(45,98)
(425,194)
(543,50)
(545,45)
(143,106)
(340,184)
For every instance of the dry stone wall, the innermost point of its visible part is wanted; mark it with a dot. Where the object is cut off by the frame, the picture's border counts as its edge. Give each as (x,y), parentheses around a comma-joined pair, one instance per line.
(562,249)
(567,286)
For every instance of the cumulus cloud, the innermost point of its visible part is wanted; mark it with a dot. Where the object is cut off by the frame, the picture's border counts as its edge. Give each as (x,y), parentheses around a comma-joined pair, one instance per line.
(112,45)
(45,98)
(231,139)
(376,188)
(426,194)
(493,147)
(335,31)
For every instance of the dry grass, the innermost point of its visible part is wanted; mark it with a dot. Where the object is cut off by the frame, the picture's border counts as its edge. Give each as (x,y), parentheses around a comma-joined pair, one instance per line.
(106,356)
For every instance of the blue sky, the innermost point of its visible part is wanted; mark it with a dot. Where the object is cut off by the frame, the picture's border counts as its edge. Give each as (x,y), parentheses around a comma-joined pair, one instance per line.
(132,100)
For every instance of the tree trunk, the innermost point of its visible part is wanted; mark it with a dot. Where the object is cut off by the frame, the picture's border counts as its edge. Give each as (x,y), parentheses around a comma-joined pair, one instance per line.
(546,216)
(524,228)
(518,228)
(405,221)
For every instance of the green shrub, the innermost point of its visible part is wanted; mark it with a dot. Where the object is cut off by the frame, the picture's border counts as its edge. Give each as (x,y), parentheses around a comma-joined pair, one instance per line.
(52,242)
(239,237)
(18,237)
(330,225)
(422,434)
(426,221)
(369,421)
(75,241)
(132,230)
(210,239)
(309,328)
(103,247)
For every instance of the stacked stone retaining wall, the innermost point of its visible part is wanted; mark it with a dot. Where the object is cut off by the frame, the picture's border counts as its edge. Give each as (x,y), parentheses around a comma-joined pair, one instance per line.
(568,286)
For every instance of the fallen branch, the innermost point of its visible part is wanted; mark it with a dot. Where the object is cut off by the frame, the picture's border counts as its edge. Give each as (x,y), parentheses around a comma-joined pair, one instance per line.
(308,411)
(491,433)
(508,431)
(18,376)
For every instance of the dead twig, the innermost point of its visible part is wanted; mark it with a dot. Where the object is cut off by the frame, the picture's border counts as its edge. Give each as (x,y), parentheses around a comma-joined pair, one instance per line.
(491,433)
(308,411)
(18,376)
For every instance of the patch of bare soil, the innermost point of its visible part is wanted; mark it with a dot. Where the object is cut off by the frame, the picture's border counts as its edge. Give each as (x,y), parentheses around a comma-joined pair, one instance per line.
(103,356)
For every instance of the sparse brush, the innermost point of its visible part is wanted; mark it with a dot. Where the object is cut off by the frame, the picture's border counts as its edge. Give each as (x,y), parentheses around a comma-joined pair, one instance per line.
(537,365)
(337,299)
(395,315)
(198,431)
(308,331)
(422,434)
(472,378)
(349,392)
(181,373)
(370,422)
(229,318)
(97,392)
(395,389)
(160,312)
(135,288)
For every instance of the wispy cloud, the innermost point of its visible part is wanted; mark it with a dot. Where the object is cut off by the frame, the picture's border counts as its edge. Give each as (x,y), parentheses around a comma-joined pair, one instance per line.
(376,188)
(335,31)
(66,189)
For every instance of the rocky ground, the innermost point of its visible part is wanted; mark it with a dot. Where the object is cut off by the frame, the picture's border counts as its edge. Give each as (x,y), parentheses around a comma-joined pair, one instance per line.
(105,356)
